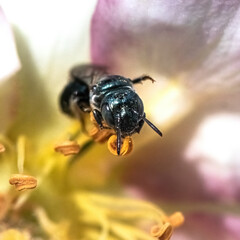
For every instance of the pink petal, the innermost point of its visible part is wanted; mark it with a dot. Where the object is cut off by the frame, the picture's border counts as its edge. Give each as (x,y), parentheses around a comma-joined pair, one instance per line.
(200,226)
(215,150)
(198,38)
(9,60)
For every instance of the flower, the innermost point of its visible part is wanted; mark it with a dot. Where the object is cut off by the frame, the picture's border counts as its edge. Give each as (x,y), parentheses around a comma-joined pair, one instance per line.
(70,199)
(191,49)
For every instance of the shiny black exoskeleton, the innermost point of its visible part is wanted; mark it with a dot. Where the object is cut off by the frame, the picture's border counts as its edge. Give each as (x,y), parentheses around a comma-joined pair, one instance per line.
(111,98)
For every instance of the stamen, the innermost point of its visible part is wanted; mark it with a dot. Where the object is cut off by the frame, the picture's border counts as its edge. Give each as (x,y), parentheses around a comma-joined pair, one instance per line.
(2,148)
(126,147)
(68,148)
(23,182)
(20,180)
(4,205)
(55,230)
(163,232)
(21,142)
(111,213)
(176,219)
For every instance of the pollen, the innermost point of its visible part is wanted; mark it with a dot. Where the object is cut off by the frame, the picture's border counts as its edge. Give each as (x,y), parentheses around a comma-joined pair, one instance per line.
(100,135)
(97,134)
(23,182)
(68,148)
(126,147)
(92,118)
(2,148)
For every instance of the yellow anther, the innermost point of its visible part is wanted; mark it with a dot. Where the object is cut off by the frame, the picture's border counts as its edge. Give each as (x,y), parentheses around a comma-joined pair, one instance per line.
(68,148)
(176,219)
(22,182)
(163,232)
(2,148)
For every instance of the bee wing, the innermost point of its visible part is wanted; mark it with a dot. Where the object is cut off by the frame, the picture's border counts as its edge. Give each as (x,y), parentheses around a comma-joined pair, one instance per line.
(88,73)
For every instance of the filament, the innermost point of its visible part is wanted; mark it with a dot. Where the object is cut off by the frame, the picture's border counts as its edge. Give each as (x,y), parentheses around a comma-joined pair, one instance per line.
(21,142)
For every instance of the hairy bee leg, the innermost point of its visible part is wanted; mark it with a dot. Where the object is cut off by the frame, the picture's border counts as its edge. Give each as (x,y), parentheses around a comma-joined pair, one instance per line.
(142,78)
(98,117)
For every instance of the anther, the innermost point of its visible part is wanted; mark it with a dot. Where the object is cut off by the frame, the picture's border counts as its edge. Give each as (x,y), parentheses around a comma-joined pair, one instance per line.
(68,148)
(23,182)
(2,148)
(163,232)
(176,219)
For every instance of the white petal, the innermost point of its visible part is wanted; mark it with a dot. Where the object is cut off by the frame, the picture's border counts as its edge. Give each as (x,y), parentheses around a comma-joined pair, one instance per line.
(55,34)
(9,61)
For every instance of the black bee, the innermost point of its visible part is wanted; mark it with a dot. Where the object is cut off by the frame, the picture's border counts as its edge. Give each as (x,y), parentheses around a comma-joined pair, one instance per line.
(111,98)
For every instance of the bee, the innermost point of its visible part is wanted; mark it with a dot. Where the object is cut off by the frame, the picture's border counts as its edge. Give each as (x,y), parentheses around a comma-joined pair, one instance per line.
(111,98)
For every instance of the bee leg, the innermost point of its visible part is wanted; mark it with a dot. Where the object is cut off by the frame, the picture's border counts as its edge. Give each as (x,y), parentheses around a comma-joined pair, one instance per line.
(142,78)
(98,117)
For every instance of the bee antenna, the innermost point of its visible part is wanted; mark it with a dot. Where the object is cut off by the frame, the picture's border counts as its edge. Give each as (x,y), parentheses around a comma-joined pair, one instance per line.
(154,128)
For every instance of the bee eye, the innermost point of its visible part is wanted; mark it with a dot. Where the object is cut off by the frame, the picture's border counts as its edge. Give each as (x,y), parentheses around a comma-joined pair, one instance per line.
(107,115)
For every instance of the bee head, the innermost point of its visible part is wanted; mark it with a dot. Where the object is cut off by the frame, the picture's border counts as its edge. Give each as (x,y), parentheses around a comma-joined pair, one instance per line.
(123,111)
